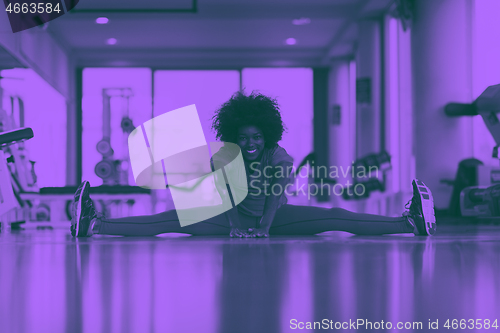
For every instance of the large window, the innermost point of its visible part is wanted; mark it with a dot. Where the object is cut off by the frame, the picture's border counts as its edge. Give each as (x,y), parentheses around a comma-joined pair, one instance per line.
(110,98)
(208,89)
(293,89)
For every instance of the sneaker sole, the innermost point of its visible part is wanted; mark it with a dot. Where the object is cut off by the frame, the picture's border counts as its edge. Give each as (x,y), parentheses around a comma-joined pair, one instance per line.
(426,206)
(79,208)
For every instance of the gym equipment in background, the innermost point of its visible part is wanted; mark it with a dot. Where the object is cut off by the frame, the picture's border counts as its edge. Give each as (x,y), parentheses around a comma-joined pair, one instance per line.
(381,162)
(467,175)
(478,185)
(113,201)
(114,170)
(319,178)
(51,205)
(311,160)
(22,169)
(480,201)
(9,200)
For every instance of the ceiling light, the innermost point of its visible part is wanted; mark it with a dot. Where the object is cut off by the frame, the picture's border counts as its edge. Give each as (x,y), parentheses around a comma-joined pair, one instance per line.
(111,41)
(302,21)
(291,41)
(101,20)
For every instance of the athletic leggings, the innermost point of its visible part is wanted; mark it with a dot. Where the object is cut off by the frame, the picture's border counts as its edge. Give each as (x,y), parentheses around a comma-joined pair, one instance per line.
(289,220)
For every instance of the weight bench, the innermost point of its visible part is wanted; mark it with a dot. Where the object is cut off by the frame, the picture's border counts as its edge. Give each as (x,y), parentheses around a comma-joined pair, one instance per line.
(8,198)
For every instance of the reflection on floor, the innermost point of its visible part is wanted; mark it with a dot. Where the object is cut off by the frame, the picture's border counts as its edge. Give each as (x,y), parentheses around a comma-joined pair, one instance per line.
(50,282)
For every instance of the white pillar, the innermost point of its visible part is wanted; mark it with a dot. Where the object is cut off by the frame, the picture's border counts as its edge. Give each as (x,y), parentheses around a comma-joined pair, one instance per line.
(485,69)
(368,68)
(342,133)
(442,70)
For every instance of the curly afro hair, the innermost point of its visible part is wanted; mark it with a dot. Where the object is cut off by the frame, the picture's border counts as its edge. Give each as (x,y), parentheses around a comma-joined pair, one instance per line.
(256,110)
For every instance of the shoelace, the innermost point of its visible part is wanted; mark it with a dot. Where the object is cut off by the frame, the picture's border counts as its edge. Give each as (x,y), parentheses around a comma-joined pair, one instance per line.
(407,206)
(407,214)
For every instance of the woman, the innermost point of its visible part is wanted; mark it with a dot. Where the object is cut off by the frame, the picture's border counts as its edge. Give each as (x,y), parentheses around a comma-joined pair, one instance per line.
(254,123)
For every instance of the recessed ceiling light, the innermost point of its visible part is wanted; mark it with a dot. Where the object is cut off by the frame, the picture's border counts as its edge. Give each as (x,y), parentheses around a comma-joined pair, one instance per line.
(291,41)
(101,20)
(302,21)
(111,41)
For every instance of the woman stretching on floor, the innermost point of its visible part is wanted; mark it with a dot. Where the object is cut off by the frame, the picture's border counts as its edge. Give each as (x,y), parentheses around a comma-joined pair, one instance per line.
(254,123)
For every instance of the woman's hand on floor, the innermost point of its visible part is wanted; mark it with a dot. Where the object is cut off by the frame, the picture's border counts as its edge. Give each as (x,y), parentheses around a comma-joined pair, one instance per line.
(259,232)
(237,232)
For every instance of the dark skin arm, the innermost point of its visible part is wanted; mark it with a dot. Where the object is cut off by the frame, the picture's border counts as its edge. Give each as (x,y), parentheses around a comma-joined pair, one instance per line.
(271,204)
(232,215)
(234,222)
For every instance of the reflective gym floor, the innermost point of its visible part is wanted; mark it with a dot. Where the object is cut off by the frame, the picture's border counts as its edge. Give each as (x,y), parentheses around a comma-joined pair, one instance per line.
(51,282)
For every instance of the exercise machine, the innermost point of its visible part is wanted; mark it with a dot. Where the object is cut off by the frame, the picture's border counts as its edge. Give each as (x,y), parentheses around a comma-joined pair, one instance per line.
(10,199)
(477,187)
(369,182)
(114,170)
